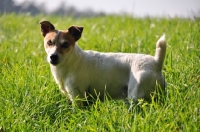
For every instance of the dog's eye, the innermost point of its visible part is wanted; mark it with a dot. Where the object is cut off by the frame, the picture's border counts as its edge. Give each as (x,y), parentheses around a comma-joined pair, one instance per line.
(65,45)
(49,43)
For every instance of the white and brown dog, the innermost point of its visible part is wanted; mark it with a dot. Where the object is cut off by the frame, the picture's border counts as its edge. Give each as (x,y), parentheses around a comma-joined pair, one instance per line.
(120,75)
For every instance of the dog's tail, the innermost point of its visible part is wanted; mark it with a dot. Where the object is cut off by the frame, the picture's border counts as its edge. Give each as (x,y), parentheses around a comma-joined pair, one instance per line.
(160,52)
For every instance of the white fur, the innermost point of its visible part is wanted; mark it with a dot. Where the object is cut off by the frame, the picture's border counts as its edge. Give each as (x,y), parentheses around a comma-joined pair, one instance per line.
(121,75)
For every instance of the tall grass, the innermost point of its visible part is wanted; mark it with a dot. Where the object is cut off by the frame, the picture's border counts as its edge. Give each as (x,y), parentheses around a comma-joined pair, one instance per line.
(31,101)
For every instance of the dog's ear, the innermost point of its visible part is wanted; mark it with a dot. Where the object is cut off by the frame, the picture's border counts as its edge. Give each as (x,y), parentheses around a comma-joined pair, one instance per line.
(76,32)
(46,27)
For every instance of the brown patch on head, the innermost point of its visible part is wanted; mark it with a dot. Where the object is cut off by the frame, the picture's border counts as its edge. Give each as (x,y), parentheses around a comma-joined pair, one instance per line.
(49,40)
(63,43)
(66,42)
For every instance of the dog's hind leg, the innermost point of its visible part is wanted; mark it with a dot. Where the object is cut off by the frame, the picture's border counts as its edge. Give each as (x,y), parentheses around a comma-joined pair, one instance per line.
(134,91)
(141,86)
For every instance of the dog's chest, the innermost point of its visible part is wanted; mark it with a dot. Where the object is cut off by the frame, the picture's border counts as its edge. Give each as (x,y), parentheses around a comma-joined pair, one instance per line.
(70,80)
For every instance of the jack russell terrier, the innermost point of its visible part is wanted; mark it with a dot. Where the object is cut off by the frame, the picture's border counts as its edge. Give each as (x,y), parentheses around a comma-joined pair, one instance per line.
(81,73)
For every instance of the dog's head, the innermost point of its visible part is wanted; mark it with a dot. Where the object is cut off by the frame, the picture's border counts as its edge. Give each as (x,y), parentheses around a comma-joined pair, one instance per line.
(59,44)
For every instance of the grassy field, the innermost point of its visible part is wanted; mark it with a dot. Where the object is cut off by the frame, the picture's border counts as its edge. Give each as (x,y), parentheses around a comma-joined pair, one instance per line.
(31,101)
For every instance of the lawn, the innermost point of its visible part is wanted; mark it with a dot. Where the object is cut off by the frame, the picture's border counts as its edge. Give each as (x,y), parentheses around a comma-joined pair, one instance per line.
(30,99)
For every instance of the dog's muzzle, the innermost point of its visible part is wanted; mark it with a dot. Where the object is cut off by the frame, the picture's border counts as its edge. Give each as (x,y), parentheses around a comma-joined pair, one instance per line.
(54,59)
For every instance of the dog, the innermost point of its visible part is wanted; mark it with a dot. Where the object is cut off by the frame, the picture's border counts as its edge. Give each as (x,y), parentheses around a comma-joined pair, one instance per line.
(81,73)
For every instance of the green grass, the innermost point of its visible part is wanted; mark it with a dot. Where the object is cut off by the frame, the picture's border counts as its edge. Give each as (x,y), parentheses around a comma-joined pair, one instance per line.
(31,101)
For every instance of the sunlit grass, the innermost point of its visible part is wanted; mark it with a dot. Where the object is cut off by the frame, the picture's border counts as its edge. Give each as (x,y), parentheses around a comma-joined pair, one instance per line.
(31,101)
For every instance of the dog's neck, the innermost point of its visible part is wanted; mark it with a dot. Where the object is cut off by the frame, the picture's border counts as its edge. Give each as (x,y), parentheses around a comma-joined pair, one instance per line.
(75,56)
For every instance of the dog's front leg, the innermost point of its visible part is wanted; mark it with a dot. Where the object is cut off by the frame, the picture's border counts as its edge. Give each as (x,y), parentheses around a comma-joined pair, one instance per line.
(61,87)
(77,99)
(73,101)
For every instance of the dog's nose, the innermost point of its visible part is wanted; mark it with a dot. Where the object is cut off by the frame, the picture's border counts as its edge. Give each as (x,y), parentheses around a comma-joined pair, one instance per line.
(54,57)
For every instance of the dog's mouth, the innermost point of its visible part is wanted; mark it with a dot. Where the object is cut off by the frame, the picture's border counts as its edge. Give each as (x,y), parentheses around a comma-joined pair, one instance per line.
(54,62)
